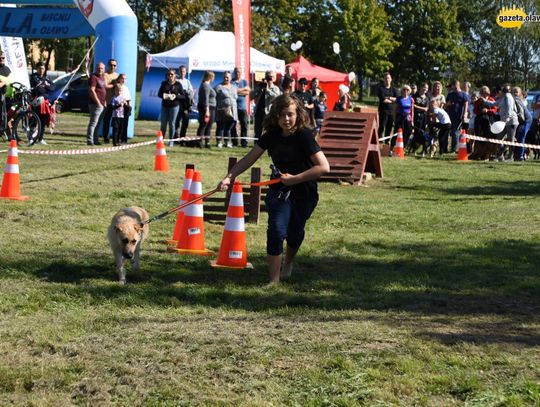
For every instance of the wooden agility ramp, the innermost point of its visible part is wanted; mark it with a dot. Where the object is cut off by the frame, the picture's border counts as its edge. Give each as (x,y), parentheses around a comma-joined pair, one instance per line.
(351,144)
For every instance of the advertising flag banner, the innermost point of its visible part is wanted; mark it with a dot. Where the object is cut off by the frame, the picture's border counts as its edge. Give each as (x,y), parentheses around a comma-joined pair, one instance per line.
(242,34)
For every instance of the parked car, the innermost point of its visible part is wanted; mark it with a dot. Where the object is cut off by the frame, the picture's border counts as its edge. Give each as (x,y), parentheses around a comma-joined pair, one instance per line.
(73,96)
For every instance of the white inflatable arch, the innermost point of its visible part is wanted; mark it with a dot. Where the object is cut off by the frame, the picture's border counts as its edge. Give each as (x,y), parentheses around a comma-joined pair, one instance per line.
(112,22)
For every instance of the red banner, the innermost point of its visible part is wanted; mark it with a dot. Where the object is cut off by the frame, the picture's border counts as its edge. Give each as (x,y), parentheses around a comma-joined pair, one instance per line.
(242,33)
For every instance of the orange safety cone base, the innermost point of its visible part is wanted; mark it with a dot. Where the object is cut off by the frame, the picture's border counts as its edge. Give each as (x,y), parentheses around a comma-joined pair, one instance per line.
(204,252)
(16,198)
(214,264)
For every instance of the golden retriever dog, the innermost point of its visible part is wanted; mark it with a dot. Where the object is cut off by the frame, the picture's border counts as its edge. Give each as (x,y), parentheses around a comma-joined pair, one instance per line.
(126,234)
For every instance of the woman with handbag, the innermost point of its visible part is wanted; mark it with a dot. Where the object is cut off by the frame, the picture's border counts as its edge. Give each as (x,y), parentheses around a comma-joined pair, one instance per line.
(207,107)
(226,110)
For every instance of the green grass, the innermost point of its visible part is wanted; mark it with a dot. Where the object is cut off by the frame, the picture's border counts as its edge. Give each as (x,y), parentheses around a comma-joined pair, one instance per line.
(421,288)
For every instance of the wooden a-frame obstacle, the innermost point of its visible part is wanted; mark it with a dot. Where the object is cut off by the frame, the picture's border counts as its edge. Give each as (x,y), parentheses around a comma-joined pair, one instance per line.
(351,144)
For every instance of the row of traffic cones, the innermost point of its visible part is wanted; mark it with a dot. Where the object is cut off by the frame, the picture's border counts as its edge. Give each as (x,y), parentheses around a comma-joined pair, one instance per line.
(463,155)
(188,235)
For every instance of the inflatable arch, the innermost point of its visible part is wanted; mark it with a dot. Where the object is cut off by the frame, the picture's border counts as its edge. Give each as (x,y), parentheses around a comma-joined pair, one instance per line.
(112,22)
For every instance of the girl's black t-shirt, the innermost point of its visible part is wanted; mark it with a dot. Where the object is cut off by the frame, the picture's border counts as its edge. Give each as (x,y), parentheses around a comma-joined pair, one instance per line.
(292,154)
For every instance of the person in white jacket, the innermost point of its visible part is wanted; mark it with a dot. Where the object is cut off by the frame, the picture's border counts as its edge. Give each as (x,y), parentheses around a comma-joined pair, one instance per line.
(508,114)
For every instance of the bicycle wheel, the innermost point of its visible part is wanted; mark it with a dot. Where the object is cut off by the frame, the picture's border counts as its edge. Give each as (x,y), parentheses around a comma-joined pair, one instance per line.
(27,127)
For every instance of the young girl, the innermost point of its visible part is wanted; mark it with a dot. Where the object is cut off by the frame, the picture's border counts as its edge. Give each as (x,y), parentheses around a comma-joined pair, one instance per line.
(118,103)
(440,120)
(294,151)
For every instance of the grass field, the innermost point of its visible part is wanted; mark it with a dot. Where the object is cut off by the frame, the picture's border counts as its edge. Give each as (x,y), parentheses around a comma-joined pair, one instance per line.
(418,289)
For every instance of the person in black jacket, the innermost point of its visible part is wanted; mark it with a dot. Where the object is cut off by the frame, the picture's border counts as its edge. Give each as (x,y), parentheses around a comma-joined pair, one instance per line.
(41,86)
(387,105)
(171,93)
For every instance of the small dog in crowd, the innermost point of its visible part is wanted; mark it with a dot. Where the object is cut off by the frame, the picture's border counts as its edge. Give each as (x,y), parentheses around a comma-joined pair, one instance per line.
(427,141)
(127,231)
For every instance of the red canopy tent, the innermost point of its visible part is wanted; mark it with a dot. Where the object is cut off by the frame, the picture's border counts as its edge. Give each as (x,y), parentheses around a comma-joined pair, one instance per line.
(329,80)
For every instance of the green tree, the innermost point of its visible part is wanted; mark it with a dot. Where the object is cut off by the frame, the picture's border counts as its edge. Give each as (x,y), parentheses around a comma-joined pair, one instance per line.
(431,42)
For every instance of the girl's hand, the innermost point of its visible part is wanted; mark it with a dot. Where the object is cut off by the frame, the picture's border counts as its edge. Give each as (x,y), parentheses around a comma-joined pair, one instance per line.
(287,179)
(224,184)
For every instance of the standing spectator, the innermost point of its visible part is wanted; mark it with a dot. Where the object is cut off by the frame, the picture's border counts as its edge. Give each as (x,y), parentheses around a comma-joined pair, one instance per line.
(242,91)
(414,89)
(320,110)
(535,125)
(288,85)
(207,108)
(405,113)
(96,104)
(439,120)
(421,107)
(110,79)
(524,119)
(457,106)
(436,94)
(288,74)
(467,119)
(226,113)
(41,86)
(484,109)
(306,98)
(387,97)
(343,98)
(5,72)
(118,104)
(182,120)
(126,94)
(508,114)
(315,89)
(171,93)
(264,96)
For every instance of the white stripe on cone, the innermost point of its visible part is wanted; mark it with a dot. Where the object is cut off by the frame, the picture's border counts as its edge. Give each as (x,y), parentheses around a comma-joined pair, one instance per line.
(13,152)
(194,210)
(237,199)
(161,151)
(234,224)
(196,188)
(11,168)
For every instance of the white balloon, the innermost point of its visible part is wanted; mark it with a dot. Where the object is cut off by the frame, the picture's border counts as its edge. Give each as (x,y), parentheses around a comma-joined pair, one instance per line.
(335,47)
(498,127)
(293,47)
(344,88)
(299,44)
(352,75)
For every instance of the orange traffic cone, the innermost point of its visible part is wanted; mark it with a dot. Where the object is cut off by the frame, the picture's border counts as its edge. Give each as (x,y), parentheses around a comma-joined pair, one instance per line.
(180,215)
(11,184)
(399,151)
(161,163)
(191,239)
(232,253)
(462,152)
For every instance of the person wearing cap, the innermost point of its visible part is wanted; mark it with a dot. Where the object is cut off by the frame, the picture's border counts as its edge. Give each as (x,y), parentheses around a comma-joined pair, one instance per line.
(305,96)
(41,86)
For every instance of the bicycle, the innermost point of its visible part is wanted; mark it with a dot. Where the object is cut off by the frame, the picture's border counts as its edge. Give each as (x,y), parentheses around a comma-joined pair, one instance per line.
(21,123)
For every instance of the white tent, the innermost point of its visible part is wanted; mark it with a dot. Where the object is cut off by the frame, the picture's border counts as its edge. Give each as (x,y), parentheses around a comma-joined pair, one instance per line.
(213,51)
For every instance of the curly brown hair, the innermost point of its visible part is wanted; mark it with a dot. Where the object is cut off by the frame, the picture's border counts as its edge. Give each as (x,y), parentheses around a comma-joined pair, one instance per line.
(271,121)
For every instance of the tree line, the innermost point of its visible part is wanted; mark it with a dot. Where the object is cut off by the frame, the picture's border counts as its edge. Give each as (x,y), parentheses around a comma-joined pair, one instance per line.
(416,40)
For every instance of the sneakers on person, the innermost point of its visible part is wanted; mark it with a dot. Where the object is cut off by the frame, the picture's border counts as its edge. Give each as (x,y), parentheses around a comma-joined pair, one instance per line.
(43,142)
(171,143)
(229,145)
(219,145)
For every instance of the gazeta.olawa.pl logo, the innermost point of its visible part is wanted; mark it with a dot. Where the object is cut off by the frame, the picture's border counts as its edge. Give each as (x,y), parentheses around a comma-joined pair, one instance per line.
(515,17)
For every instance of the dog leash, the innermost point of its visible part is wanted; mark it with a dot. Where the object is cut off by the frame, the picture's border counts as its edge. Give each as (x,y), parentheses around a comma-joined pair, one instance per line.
(275,179)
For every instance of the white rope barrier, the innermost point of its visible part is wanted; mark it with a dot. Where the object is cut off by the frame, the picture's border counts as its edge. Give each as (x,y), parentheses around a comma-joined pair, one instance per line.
(387,137)
(85,151)
(503,142)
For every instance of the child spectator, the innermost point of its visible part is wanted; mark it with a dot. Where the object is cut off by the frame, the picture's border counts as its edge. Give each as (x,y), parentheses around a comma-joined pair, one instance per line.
(441,121)
(117,104)
(320,110)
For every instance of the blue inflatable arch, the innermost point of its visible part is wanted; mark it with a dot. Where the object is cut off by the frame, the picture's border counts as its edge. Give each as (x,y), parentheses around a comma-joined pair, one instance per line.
(112,22)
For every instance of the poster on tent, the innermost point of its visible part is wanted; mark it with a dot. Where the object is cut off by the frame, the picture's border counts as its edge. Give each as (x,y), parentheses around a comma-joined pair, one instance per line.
(13,48)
